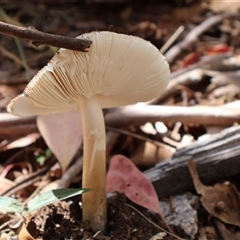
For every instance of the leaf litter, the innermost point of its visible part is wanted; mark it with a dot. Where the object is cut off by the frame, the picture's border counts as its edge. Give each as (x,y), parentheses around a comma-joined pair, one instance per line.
(204,74)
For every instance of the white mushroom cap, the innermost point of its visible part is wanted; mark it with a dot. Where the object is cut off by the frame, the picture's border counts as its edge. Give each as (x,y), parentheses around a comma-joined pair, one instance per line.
(118,69)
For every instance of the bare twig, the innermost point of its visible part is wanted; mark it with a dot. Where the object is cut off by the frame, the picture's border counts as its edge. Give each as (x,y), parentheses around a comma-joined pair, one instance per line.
(12,56)
(71,173)
(39,38)
(18,44)
(138,136)
(154,224)
(44,181)
(193,35)
(171,40)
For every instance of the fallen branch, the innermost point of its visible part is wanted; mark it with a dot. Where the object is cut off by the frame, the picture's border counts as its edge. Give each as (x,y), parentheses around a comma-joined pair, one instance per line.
(12,127)
(138,115)
(7,120)
(218,158)
(39,38)
(203,115)
(18,130)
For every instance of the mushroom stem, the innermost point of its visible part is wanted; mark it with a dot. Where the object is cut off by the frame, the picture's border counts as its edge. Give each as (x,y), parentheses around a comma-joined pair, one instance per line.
(94,164)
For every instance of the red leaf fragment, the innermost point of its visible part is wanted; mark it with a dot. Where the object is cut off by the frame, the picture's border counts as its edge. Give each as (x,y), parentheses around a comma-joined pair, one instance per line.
(219,48)
(191,58)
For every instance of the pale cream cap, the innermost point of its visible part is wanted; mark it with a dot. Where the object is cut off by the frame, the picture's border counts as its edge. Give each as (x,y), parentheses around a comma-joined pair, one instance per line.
(118,69)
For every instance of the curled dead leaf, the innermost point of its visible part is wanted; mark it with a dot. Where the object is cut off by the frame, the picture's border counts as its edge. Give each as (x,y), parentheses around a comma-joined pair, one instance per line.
(27,232)
(221,201)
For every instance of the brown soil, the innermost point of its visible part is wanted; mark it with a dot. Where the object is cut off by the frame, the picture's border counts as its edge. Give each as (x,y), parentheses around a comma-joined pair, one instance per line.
(63,221)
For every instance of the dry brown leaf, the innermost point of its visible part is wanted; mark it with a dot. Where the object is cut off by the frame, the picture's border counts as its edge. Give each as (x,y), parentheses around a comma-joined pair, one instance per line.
(221,201)
(28,232)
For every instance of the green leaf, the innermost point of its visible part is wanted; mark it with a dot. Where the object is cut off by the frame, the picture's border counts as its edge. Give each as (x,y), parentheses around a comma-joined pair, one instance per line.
(53,196)
(10,205)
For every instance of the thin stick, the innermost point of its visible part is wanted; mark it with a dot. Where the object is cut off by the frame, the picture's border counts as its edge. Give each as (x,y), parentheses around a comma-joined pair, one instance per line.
(173,38)
(39,38)
(154,224)
(19,46)
(11,56)
(146,139)
(71,173)
(44,181)
(32,178)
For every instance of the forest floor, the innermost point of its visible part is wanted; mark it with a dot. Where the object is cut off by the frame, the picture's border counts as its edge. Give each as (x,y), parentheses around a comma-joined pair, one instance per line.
(201,101)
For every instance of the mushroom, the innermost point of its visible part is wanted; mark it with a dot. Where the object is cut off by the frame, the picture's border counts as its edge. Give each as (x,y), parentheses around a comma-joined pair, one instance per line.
(117,70)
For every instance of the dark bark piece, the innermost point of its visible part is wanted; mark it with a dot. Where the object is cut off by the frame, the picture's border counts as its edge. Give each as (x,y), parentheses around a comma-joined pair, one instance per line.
(217,158)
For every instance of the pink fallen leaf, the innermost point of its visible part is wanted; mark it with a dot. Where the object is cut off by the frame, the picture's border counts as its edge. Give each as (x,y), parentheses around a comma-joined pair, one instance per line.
(62,133)
(123,176)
